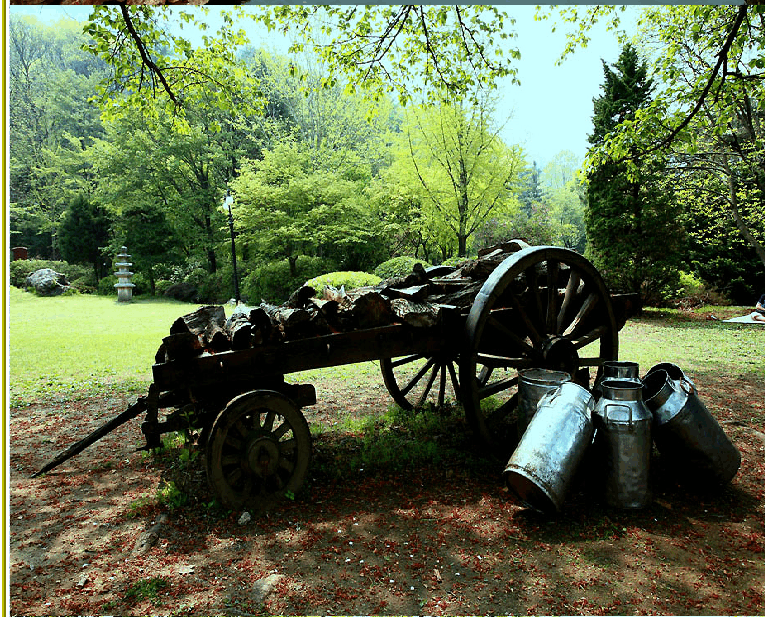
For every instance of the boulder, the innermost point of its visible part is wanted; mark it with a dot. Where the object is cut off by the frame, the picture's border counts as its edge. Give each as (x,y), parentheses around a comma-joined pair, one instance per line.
(47,282)
(185,292)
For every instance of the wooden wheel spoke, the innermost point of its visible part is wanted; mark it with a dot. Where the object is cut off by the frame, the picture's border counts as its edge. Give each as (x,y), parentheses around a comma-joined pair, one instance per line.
(287,447)
(241,428)
(591,361)
(553,293)
(587,306)
(501,413)
(513,338)
(230,459)
(493,361)
(442,384)
(234,475)
(268,422)
(585,339)
(286,464)
(281,430)
(531,276)
(233,442)
(496,387)
(429,385)
(453,377)
(414,381)
(572,284)
(533,333)
(406,360)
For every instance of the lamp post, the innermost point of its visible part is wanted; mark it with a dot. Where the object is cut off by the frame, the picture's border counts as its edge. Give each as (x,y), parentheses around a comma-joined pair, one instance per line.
(228,200)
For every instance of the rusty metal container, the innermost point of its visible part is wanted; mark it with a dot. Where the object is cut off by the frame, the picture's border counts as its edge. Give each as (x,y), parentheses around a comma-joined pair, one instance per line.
(534,384)
(541,468)
(624,443)
(685,432)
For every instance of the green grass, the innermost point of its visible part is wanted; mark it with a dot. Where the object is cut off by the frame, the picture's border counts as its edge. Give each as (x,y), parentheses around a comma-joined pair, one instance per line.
(82,344)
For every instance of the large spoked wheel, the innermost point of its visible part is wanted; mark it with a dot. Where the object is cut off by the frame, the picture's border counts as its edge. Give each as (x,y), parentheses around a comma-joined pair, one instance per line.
(416,380)
(258,451)
(543,307)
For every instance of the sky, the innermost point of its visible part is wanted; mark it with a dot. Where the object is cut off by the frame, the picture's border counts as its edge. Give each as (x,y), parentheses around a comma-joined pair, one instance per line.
(549,112)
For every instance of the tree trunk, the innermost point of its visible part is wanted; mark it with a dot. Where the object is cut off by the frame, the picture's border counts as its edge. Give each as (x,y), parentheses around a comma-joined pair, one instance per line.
(737,217)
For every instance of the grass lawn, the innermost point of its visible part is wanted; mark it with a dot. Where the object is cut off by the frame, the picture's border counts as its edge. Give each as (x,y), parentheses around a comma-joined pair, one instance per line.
(76,345)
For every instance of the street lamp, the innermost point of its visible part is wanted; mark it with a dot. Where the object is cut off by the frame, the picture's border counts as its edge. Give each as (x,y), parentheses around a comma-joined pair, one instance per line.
(227,201)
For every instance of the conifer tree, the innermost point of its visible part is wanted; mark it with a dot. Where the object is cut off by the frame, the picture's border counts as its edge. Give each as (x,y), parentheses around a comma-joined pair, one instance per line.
(632,220)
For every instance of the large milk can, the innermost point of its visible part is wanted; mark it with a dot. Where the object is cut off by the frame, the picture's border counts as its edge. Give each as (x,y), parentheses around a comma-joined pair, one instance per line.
(534,384)
(624,443)
(616,369)
(543,464)
(685,432)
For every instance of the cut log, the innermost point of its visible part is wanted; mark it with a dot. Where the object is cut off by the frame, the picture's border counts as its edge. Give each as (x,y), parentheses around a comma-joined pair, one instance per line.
(292,323)
(261,329)
(239,331)
(371,310)
(418,315)
(301,297)
(179,346)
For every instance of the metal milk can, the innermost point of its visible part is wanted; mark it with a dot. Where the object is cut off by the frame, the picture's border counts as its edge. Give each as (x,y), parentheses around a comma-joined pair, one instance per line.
(684,430)
(624,442)
(534,384)
(615,369)
(544,463)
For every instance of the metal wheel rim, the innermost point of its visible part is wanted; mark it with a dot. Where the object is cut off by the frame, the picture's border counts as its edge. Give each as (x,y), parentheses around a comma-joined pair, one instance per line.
(538,340)
(258,451)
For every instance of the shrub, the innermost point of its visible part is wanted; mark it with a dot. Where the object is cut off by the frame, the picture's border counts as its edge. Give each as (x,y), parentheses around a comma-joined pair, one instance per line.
(398,266)
(348,280)
(85,284)
(161,286)
(694,293)
(141,282)
(20,269)
(106,286)
(273,283)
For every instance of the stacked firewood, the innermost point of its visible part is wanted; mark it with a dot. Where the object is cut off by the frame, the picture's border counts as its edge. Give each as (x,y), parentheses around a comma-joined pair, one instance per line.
(416,299)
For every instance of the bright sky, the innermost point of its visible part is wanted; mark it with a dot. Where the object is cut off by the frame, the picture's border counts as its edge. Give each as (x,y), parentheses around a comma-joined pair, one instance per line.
(552,109)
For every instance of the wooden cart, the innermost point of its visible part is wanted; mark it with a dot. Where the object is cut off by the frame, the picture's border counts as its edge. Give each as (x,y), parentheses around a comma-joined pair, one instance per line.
(541,307)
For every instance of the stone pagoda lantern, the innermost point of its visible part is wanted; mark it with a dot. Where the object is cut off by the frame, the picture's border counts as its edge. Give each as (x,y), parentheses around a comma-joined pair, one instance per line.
(123,284)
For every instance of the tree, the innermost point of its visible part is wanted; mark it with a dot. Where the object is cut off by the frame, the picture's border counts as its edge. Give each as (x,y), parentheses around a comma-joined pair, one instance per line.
(50,123)
(287,207)
(631,221)
(84,233)
(466,173)
(149,237)
(531,192)
(428,52)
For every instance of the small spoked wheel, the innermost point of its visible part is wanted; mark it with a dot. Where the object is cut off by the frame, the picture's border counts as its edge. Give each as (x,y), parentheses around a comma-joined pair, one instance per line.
(543,307)
(416,380)
(258,451)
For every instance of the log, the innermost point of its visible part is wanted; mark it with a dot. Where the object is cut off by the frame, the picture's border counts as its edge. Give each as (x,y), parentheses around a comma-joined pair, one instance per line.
(371,310)
(239,331)
(301,297)
(292,323)
(418,315)
(180,345)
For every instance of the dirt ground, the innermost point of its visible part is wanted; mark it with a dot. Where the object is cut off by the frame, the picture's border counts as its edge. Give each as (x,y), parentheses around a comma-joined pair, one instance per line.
(439,540)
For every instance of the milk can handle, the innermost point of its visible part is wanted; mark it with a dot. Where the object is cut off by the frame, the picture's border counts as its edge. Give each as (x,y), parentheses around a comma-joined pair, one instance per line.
(628,407)
(687,385)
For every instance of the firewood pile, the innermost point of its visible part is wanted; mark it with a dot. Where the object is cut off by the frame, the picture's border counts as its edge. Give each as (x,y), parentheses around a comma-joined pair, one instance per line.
(416,299)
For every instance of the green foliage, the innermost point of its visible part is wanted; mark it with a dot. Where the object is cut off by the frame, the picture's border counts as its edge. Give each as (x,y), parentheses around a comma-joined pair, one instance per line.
(348,280)
(84,233)
(274,283)
(420,52)
(106,286)
(145,589)
(20,269)
(398,266)
(170,496)
(634,237)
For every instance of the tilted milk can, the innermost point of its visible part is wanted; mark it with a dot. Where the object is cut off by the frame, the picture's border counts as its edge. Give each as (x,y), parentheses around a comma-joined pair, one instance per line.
(624,443)
(534,384)
(684,430)
(543,464)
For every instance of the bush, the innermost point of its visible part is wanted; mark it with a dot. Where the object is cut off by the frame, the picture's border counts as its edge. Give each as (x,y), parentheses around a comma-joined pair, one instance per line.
(348,280)
(398,266)
(272,282)
(85,284)
(20,269)
(694,293)
(106,286)
(161,286)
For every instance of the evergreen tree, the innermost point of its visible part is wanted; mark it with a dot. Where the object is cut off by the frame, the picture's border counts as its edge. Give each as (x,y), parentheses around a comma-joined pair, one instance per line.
(84,233)
(632,219)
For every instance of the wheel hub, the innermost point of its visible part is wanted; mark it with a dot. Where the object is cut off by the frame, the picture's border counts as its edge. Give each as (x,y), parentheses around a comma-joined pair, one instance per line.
(262,456)
(560,354)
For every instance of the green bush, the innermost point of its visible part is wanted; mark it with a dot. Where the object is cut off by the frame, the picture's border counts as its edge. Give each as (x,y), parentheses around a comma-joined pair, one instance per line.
(398,266)
(106,286)
(694,293)
(20,269)
(141,282)
(161,286)
(348,280)
(85,284)
(273,283)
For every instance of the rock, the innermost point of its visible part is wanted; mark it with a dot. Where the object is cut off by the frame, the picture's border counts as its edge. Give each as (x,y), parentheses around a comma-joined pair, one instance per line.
(264,586)
(83,580)
(245,518)
(185,292)
(47,282)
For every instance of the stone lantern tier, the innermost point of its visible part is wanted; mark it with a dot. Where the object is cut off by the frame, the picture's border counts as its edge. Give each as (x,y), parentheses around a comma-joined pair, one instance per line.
(123,285)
